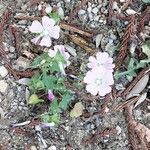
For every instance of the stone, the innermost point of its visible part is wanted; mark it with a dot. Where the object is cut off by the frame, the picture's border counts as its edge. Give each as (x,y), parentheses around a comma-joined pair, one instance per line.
(3,86)
(81,12)
(95,10)
(3,71)
(122,1)
(89,9)
(33,148)
(130,12)
(61,12)
(11,49)
(23,81)
(22,62)
(52,148)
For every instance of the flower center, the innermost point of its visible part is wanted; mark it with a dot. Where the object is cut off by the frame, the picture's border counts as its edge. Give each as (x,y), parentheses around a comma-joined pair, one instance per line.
(45,33)
(98,82)
(99,64)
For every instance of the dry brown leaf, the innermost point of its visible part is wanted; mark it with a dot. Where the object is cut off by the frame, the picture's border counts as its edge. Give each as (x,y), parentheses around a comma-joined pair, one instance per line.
(98,39)
(142,128)
(75,29)
(77,110)
(124,104)
(141,99)
(139,87)
(81,42)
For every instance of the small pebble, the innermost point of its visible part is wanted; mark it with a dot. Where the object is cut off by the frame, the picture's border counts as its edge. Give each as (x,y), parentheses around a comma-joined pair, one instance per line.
(81,12)
(118,129)
(3,71)
(89,9)
(122,1)
(95,10)
(48,9)
(11,49)
(33,148)
(3,86)
(52,148)
(130,12)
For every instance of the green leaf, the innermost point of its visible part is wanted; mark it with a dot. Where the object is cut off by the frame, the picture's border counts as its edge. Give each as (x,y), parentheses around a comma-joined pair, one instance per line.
(55,118)
(54,67)
(46,118)
(146,1)
(131,64)
(55,16)
(35,83)
(65,101)
(77,110)
(51,118)
(146,48)
(38,60)
(33,100)
(49,81)
(54,106)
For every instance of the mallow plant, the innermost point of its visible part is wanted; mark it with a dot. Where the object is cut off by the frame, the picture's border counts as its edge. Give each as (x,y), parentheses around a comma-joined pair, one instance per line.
(100,76)
(50,77)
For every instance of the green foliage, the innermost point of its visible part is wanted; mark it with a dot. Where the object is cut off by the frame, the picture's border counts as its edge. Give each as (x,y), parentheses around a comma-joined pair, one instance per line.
(146,48)
(36,84)
(65,101)
(55,16)
(33,100)
(131,70)
(51,118)
(48,78)
(146,1)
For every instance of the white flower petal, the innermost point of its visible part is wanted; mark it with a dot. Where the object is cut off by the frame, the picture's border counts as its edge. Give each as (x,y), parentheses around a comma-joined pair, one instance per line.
(90,77)
(36,39)
(47,22)
(92,59)
(36,27)
(46,41)
(92,89)
(54,32)
(104,90)
(52,53)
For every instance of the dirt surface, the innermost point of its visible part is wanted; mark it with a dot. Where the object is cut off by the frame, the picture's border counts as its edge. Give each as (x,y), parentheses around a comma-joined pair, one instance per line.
(92,130)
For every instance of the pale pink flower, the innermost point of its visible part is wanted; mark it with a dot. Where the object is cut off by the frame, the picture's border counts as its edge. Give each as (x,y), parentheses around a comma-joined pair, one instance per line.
(102,60)
(50,95)
(61,49)
(66,55)
(99,81)
(45,31)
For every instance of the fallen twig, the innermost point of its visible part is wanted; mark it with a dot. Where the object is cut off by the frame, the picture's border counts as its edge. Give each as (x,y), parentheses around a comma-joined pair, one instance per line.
(130,30)
(4,20)
(81,42)
(17,40)
(110,11)
(75,29)
(137,130)
(144,17)
(126,4)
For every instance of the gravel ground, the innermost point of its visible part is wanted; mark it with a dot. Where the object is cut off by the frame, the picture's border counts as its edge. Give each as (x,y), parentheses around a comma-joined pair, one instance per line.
(70,134)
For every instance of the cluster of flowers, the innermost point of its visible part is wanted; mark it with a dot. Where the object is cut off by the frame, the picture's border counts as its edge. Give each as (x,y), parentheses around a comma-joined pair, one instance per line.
(100,78)
(45,32)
